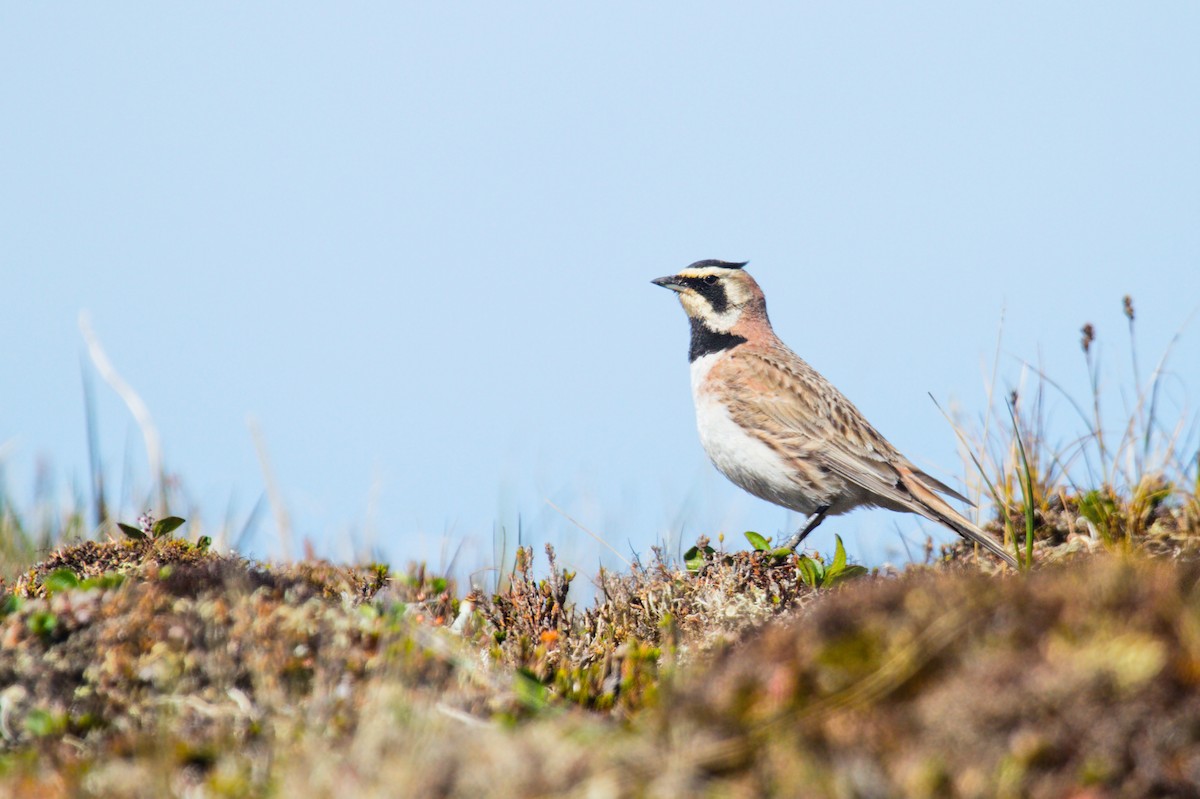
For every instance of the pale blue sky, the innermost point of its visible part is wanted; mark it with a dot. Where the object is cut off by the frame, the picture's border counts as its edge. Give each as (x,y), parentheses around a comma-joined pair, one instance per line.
(415,242)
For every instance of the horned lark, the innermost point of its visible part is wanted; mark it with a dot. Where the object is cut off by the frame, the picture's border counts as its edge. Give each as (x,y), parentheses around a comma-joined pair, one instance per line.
(778,429)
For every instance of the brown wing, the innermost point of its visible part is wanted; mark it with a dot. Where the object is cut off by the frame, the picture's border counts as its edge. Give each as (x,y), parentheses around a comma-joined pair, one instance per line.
(813,424)
(808,420)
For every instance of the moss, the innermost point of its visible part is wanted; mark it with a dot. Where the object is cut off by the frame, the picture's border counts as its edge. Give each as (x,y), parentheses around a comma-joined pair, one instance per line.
(220,676)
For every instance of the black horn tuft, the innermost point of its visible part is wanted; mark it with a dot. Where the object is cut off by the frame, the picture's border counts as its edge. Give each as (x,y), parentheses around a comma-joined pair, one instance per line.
(721,264)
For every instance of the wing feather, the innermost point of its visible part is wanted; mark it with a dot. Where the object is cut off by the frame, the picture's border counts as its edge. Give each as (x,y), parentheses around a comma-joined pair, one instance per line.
(804,417)
(801,415)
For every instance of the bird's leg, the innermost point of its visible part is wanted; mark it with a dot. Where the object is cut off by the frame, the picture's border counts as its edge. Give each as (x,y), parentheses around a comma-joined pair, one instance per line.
(810,525)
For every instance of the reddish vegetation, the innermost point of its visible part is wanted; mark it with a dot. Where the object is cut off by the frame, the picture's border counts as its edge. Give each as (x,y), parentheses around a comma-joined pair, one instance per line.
(155,668)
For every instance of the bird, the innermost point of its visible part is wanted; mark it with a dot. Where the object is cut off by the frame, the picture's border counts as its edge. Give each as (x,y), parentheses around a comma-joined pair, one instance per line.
(776,428)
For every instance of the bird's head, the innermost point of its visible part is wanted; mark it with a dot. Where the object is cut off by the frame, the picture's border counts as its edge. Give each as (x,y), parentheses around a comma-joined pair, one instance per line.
(717,294)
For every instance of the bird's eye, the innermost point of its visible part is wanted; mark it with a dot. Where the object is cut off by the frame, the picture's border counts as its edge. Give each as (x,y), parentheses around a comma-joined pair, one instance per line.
(710,279)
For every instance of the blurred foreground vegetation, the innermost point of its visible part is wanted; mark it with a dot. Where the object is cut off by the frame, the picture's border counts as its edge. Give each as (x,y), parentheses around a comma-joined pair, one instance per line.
(157,667)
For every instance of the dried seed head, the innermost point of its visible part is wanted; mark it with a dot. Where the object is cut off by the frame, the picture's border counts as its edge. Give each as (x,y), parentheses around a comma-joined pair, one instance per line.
(1089,335)
(1129,307)
(1012,399)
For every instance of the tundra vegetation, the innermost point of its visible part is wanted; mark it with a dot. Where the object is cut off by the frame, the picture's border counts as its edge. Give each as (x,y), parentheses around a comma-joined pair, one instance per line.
(138,660)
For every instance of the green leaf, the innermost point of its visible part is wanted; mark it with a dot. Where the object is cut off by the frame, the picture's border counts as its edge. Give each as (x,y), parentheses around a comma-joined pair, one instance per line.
(42,623)
(808,571)
(43,723)
(133,532)
(1026,490)
(60,580)
(103,581)
(759,543)
(848,573)
(203,543)
(696,557)
(166,526)
(10,604)
(529,692)
(781,552)
(839,556)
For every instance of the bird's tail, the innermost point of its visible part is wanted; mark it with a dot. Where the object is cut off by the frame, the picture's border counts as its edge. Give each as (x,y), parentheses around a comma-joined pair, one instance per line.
(933,507)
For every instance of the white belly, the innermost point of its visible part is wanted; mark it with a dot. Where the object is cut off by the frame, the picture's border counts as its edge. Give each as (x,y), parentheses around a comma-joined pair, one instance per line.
(744,459)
